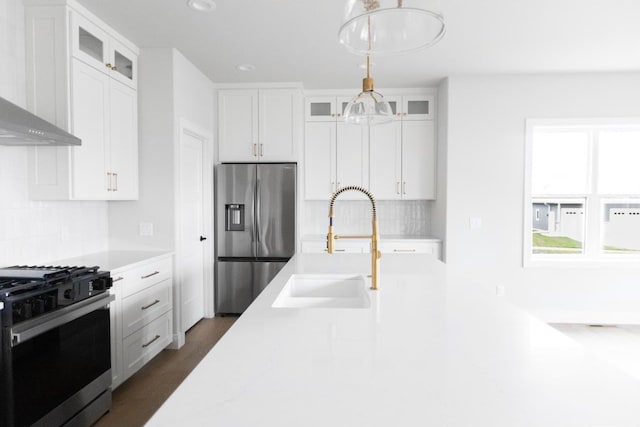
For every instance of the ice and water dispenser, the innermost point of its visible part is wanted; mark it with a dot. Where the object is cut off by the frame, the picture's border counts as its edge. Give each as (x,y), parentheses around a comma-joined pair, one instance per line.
(234,218)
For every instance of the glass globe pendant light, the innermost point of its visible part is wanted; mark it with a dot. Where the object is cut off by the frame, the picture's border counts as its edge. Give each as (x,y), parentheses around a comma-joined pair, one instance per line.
(381,27)
(368,107)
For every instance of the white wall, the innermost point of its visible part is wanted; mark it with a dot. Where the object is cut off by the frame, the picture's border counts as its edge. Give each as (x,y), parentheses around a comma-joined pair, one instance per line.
(169,88)
(33,232)
(485,179)
(439,206)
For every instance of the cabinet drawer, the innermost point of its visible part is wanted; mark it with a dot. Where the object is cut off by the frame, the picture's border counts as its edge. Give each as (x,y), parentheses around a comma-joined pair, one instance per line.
(143,345)
(141,308)
(147,275)
(341,246)
(431,248)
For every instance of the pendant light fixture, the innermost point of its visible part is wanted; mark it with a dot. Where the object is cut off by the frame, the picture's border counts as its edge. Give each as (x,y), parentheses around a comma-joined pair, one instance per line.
(368,107)
(381,27)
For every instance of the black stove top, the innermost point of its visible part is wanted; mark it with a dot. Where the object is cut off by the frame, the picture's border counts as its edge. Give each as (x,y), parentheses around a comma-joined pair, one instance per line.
(31,291)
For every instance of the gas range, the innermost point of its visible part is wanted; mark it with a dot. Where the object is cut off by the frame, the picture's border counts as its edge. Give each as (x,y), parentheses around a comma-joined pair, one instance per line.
(55,358)
(31,291)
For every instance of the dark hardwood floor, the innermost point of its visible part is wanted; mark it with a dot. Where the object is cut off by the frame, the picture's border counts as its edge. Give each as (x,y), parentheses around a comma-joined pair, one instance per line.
(137,399)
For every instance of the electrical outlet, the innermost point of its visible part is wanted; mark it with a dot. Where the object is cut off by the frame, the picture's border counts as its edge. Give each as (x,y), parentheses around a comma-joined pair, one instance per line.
(500,290)
(146,229)
(475,223)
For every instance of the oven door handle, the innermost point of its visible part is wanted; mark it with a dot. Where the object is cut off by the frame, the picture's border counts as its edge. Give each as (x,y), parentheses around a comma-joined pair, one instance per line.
(32,328)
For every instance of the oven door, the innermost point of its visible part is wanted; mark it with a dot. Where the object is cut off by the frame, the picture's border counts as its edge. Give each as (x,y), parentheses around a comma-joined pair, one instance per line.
(59,364)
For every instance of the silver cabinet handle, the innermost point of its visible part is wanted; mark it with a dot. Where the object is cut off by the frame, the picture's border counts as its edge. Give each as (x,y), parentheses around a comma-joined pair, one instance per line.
(397,187)
(404,187)
(115,178)
(150,342)
(144,307)
(261,150)
(253,149)
(117,279)
(340,250)
(149,275)
(404,250)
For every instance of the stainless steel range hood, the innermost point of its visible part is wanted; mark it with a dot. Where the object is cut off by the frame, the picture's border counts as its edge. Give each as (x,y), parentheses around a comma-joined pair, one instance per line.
(20,127)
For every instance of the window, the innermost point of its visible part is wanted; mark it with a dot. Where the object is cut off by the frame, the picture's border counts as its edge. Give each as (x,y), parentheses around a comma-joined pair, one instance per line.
(582,190)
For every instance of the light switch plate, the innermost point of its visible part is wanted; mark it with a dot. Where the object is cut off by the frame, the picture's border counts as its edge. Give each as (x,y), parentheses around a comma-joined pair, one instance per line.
(146,229)
(475,223)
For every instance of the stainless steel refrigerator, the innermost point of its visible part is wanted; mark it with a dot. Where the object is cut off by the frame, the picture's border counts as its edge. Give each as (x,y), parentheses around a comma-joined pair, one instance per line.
(255,229)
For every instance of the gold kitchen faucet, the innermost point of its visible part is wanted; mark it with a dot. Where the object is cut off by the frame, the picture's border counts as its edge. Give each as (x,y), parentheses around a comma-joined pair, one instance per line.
(375,236)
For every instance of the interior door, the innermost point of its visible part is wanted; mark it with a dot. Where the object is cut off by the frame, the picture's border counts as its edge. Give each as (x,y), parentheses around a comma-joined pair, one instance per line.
(276,210)
(191,254)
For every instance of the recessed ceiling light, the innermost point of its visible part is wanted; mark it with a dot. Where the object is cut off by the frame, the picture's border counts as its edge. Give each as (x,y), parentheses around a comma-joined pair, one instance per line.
(202,5)
(246,67)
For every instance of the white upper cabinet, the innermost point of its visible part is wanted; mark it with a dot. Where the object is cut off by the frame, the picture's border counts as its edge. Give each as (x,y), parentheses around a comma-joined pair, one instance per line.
(258,125)
(412,107)
(336,155)
(81,75)
(95,47)
(403,160)
(325,108)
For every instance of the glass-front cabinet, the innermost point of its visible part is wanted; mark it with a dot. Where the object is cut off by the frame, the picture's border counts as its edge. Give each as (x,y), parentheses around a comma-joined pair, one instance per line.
(412,107)
(325,108)
(96,48)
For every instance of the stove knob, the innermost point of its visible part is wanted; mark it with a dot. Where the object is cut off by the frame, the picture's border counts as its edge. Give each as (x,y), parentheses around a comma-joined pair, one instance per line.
(68,294)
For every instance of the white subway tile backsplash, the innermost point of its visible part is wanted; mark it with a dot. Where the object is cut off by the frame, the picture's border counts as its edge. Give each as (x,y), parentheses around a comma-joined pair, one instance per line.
(403,218)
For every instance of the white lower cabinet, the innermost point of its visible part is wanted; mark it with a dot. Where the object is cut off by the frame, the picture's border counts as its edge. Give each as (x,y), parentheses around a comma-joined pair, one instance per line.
(347,246)
(141,315)
(142,345)
(410,246)
(385,246)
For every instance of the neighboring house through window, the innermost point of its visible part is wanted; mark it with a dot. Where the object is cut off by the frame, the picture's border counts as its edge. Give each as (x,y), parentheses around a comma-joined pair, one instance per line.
(582,190)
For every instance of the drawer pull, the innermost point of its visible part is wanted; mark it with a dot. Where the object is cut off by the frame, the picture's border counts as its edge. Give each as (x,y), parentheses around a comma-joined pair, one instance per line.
(404,250)
(150,342)
(149,275)
(340,250)
(117,279)
(150,305)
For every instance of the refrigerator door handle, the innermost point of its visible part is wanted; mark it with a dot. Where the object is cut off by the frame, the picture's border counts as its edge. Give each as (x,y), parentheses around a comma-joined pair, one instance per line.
(258,209)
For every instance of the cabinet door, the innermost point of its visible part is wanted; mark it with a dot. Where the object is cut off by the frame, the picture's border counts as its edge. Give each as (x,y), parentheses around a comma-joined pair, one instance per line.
(90,110)
(385,175)
(417,107)
(238,125)
(279,127)
(320,109)
(124,64)
(396,106)
(352,159)
(89,43)
(418,160)
(123,143)
(319,160)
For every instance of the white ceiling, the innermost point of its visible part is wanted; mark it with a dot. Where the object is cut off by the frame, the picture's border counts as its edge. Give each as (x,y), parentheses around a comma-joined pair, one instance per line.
(296,40)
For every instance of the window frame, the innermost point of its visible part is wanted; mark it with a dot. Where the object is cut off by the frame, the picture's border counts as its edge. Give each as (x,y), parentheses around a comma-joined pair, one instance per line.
(594,202)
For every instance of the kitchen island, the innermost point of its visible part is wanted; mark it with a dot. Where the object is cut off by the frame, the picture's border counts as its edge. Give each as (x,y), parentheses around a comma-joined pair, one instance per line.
(428,351)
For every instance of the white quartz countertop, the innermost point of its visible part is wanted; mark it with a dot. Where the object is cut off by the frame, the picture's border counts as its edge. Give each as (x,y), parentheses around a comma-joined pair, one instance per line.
(428,352)
(113,260)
